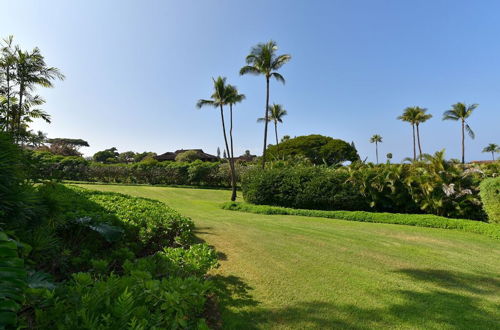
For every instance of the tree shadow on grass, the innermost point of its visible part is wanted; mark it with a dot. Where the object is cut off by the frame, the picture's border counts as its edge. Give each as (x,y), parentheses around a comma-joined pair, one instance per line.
(446,306)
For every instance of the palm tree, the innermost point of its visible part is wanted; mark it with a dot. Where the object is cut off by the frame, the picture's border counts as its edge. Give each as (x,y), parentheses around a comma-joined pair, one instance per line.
(7,64)
(276,114)
(410,115)
(263,60)
(31,70)
(376,139)
(422,117)
(233,97)
(460,112)
(492,147)
(221,97)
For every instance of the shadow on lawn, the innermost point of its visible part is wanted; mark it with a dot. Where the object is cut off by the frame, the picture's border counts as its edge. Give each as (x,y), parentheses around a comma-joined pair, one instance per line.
(427,308)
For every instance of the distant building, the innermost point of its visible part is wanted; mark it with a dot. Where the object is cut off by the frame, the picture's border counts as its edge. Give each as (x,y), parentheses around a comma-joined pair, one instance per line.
(170,156)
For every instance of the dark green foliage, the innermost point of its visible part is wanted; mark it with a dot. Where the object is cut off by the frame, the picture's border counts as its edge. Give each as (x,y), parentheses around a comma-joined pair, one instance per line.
(106,156)
(490,196)
(13,281)
(16,198)
(301,187)
(44,166)
(318,149)
(135,301)
(432,186)
(419,220)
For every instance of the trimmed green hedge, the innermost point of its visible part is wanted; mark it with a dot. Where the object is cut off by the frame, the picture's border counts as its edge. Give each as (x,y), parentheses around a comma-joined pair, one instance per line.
(490,196)
(419,220)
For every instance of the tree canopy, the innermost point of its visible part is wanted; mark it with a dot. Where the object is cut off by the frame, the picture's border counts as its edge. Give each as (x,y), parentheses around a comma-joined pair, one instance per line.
(317,148)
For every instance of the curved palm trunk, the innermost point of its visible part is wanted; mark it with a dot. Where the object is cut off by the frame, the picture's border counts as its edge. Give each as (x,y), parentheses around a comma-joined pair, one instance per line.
(231,156)
(376,150)
(227,150)
(463,142)
(419,146)
(414,147)
(266,121)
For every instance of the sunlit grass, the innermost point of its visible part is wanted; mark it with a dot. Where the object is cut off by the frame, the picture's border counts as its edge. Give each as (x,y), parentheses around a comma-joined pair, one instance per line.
(284,271)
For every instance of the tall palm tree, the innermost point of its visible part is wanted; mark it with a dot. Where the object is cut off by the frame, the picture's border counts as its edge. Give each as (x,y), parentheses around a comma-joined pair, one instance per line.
(376,139)
(31,70)
(7,64)
(263,60)
(492,147)
(422,117)
(410,115)
(276,114)
(219,98)
(233,97)
(460,112)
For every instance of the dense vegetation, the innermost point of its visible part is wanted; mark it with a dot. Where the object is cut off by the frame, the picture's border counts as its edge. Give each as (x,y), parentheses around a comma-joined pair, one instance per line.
(433,186)
(419,220)
(490,195)
(73,258)
(217,174)
(318,149)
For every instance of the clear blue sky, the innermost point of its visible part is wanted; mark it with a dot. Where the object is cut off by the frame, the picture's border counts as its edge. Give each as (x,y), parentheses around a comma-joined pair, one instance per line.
(135,69)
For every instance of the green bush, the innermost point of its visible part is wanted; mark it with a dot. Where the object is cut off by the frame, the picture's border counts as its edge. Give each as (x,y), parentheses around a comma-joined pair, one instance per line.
(433,186)
(135,301)
(13,281)
(419,220)
(490,195)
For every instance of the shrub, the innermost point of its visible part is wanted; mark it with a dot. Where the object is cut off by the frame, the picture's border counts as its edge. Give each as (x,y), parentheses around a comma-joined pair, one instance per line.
(432,186)
(419,220)
(301,187)
(490,195)
(135,301)
(187,156)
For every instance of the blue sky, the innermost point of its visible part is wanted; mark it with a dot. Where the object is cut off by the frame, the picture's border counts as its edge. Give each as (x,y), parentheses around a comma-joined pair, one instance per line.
(135,69)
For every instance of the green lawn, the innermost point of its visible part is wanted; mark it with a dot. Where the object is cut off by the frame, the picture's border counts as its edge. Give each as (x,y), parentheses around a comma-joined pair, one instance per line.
(292,272)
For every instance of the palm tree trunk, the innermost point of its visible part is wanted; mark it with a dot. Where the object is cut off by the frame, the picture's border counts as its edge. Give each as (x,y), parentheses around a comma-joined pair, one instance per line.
(8,98)
(17,131)
(414,147)
(419,146)
(233,169)
(276,133)
(493,155)
(265,124)
(233,185)
(463,142)
(376,150)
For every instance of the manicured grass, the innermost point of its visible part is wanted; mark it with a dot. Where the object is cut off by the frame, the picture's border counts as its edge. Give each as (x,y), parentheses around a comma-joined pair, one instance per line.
(294,272)
(420,220)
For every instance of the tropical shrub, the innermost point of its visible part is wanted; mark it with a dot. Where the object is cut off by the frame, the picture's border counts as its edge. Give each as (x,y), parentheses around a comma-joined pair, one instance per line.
(17,201)
(433,186)
(490,196)
(13,281)
(134,301)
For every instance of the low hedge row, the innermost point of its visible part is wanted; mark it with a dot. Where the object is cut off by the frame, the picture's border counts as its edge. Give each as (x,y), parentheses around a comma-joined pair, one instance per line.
(419,220)
(490,195)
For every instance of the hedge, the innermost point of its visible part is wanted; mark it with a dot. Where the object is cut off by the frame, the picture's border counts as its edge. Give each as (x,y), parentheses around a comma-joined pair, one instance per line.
(490,196)
(419,220)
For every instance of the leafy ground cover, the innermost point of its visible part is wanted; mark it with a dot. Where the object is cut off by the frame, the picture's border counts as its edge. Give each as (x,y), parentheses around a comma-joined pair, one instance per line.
(290,272)
(419,220)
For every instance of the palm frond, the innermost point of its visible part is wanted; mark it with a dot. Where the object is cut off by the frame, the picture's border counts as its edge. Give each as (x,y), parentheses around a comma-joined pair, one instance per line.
(247,69)
(278,77)
(470,131)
